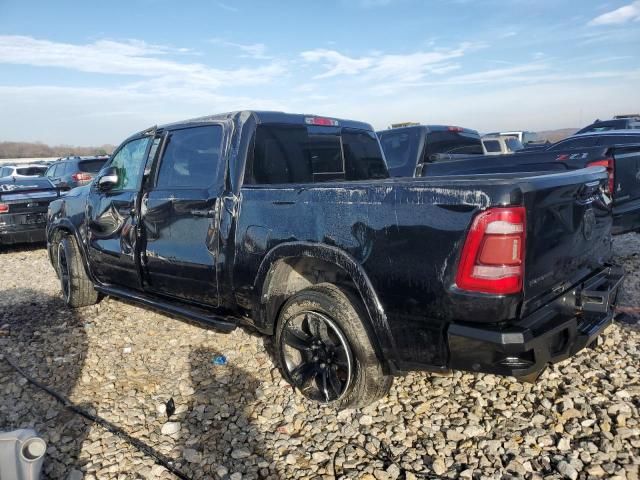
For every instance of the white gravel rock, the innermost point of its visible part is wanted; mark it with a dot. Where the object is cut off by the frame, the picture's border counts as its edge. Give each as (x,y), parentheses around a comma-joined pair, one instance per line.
(580,420)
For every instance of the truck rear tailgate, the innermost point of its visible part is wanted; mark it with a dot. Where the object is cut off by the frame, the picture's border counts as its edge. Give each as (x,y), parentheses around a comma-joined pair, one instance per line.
(568,232)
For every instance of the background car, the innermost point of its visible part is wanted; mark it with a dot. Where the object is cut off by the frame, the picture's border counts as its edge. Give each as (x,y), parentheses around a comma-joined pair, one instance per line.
(499,145)
(71,172)
(619,122)
(23,209)
(523,136)
(605,138)
(22,171)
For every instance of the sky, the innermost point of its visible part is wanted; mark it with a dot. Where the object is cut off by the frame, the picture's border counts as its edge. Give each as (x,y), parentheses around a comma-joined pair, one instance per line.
(90,73)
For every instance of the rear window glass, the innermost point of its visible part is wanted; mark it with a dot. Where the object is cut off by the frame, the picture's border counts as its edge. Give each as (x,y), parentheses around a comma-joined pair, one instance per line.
(35,171)
(529,137)
(513,144)
(491,145)
(400,147)
(91,166)
(455,143)
(313,154)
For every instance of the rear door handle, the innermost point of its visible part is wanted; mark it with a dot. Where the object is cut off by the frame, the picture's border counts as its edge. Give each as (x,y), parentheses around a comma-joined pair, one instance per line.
(203,213)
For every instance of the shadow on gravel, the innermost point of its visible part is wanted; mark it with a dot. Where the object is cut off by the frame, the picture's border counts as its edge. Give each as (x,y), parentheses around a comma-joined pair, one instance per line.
(22,247)
(48,341)
(222,423)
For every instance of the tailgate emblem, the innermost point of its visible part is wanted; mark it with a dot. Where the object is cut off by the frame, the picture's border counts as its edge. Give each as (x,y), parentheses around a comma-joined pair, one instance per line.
(588,224)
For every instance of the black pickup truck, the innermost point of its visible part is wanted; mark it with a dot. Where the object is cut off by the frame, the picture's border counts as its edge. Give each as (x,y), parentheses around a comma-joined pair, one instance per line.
(617,151)
(289,224)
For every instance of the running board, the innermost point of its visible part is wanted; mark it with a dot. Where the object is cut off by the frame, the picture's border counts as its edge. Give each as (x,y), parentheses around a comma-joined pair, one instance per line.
(221,323)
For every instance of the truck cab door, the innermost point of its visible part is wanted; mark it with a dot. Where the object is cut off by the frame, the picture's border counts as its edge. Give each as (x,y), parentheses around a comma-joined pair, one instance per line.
(112,218)
(179,215)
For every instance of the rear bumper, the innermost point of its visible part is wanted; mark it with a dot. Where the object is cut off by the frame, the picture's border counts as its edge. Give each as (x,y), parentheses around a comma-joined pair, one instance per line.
(553,333)
(10,234)
(626,218)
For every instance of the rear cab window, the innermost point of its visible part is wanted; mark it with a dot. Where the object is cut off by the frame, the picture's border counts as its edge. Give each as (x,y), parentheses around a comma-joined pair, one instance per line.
(289,153)
(491,146)
(33,171)
(513,144)
(91,166)
(400,148)
(452,142)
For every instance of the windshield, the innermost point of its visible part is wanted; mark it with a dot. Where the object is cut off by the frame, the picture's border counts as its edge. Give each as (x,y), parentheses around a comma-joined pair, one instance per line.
(453,142)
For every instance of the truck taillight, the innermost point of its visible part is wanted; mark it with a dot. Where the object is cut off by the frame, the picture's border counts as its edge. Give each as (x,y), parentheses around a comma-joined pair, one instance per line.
(4,208)
(610,165)
(81,177)
(492,259)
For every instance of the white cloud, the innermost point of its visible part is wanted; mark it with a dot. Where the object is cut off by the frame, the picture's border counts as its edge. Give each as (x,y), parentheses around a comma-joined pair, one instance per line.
(128,58)
(377,66)
(335,62)
(94,116)
(227,7)
(256,51)
(374,3)
(628,13)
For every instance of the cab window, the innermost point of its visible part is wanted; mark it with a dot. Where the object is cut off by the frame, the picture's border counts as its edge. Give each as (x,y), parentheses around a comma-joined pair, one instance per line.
(129,162)
(191,158)
(312,154)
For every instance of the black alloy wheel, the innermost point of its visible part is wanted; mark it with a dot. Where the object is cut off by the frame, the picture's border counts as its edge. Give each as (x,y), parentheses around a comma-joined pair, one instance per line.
(316,356)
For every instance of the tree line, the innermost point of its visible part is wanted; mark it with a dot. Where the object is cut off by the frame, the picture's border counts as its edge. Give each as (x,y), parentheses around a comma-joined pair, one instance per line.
(38,149)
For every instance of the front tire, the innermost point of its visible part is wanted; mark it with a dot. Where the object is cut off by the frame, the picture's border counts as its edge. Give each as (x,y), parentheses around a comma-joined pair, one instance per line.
(324,349)
(77,288)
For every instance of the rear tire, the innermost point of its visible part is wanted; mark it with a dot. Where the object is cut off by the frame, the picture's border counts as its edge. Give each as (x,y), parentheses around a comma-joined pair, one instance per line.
(324,350)
(77,288)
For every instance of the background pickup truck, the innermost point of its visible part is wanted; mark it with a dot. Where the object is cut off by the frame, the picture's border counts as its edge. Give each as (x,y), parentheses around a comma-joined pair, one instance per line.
(617,151)
(289,224)
(402,146)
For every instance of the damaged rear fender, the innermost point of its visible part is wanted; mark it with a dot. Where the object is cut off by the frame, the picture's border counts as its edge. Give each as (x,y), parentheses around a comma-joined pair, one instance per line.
(277,279)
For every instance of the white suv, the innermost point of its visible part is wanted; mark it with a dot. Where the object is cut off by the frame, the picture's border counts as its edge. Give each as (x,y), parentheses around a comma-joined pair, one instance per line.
(22,171)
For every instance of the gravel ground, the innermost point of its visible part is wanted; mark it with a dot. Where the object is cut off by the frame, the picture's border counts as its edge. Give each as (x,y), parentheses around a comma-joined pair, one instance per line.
(242,420)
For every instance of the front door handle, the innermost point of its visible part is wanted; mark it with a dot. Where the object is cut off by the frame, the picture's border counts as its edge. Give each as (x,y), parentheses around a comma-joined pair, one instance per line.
(203,213)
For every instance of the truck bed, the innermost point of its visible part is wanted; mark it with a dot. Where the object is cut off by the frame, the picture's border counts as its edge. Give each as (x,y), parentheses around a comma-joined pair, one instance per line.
(625,180)
(408,235)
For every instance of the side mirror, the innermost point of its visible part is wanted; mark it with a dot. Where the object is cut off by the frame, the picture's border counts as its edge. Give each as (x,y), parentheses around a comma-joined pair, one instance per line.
(108,178)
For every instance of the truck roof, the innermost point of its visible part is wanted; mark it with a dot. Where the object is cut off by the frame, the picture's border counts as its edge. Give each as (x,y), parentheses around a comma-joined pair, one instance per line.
(604,133)
(239,117)
(432,128)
